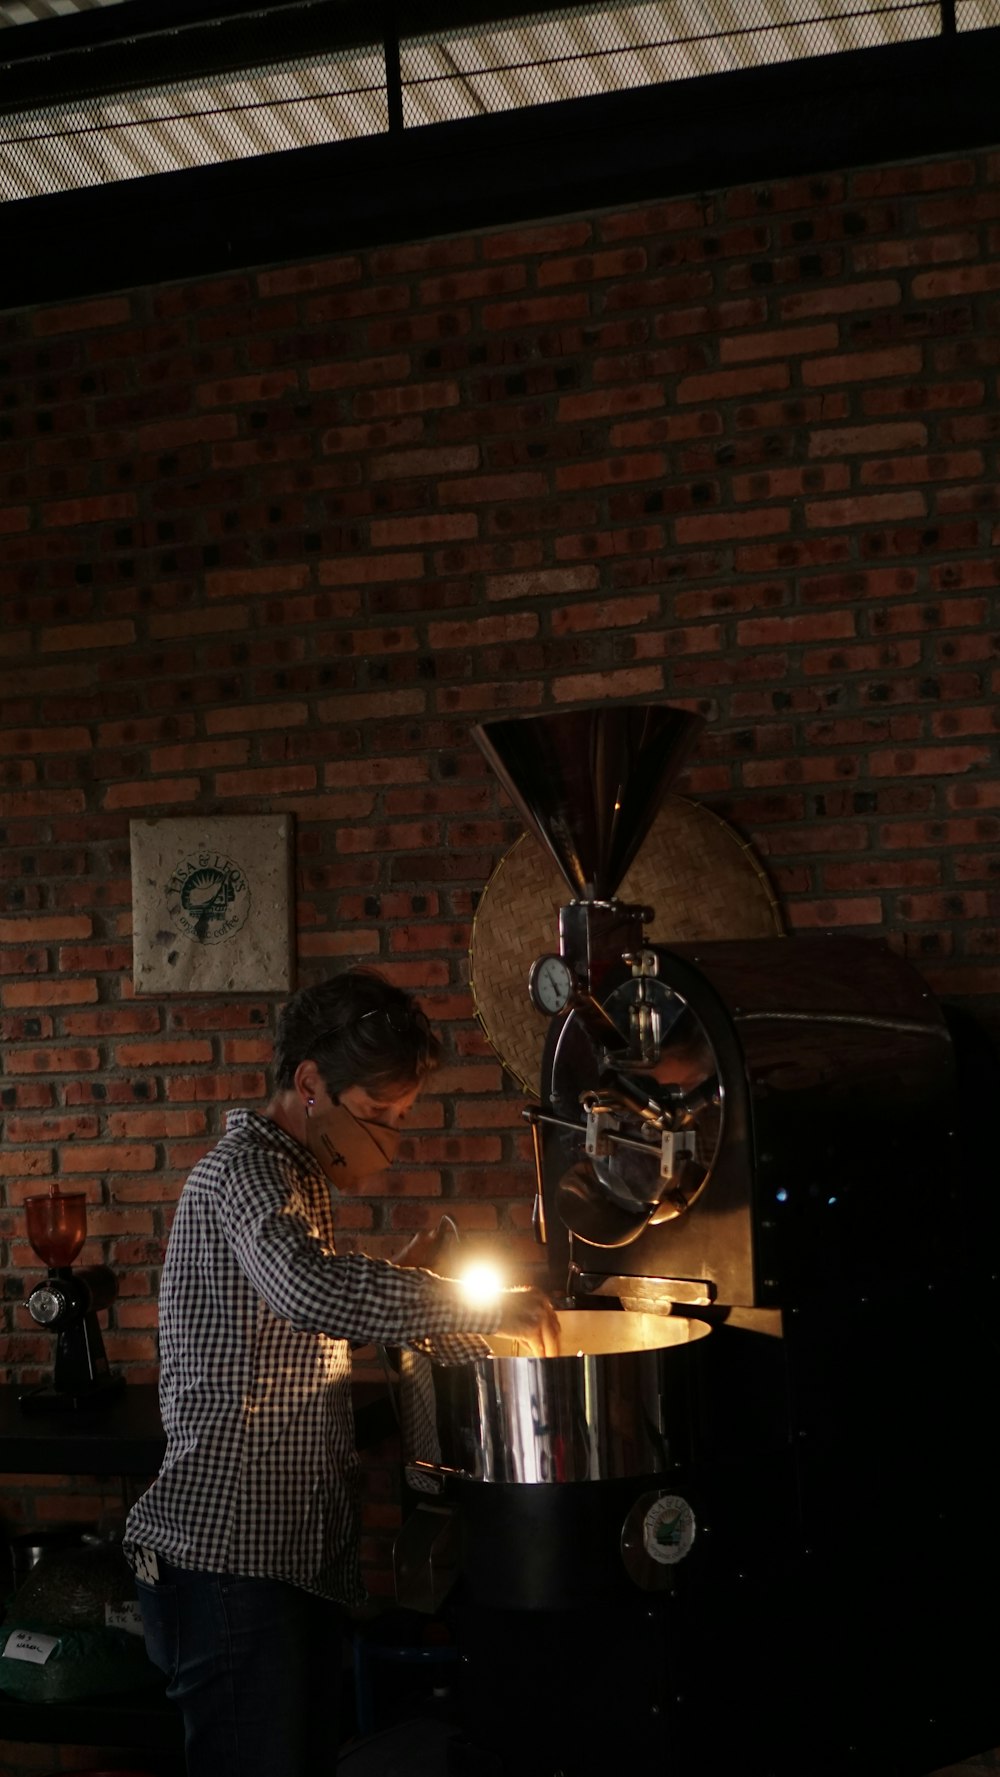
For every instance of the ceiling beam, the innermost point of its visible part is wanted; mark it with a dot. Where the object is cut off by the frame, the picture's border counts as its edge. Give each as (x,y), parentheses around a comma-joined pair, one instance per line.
(860,108)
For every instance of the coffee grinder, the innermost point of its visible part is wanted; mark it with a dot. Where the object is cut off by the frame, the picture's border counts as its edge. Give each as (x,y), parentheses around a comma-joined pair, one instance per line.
(68,1302)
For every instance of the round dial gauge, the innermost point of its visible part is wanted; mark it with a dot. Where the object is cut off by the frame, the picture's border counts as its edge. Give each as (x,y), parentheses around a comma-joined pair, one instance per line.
(550,984)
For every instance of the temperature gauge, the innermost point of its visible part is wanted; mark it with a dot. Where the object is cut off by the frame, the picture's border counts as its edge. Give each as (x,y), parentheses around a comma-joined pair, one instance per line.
(550,984)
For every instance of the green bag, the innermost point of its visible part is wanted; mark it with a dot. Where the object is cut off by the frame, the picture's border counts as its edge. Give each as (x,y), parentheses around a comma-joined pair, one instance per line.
(73,1631)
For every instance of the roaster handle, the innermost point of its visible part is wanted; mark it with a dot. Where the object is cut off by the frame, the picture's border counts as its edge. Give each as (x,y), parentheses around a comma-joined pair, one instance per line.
(439,1471)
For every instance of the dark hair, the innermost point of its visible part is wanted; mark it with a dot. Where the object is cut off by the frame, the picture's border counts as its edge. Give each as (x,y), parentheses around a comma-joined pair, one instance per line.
(359,1029)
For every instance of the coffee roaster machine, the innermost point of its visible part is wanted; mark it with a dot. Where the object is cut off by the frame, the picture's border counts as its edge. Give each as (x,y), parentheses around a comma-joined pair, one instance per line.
(744,1523)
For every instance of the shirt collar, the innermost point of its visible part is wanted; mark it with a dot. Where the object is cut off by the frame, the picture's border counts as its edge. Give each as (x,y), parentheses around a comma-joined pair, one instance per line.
(264,1129)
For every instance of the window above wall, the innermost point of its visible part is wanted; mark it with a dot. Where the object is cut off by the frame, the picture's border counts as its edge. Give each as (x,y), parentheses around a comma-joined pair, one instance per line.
(452,115)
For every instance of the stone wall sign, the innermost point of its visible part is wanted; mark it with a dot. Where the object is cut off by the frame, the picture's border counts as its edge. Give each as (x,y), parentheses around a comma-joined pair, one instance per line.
(212,904)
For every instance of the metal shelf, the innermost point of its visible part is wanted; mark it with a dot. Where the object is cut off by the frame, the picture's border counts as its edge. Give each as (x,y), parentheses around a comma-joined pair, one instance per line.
(125,1437)
(131,1723)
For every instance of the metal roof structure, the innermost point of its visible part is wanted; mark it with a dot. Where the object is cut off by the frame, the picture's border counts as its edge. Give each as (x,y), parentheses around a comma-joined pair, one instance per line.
(102,93)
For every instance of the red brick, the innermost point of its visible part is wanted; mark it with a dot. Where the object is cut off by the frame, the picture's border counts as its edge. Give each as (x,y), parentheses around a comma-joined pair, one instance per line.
(823,768)
(676,214)
(255,716)
(974,720)
(666,428)
(214,1088)
(206,757)
(935,250)
(70,637)
(963,280)
(777,484)
(731,385)
(863,910)
(52,1061)
(594,687)
(934,175)
(928,761)
(548,237)
(48,993)
(880,874)
(863,366)
(26,1164)
(963,465)
(783,340)
(345,270)
(430,461)
(140,795)
(256,583)
(943,612)
(510,627)
(164,1052)
(923,397)
(36,930)
(598,403)
(865,509)
(492,489)
(82,317)
(113,1158)
(609,471)
(547,582)
(851,440)
(638,541)
(389,533)
(363,570)
(353,372)
(534,311)
(755,632)
(52,1129)
(21,961)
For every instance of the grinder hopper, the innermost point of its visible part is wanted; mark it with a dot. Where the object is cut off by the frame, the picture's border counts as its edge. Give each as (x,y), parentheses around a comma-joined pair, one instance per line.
(588,783)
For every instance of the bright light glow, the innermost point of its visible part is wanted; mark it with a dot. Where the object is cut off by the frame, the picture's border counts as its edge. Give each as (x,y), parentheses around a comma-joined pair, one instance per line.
(481,1284)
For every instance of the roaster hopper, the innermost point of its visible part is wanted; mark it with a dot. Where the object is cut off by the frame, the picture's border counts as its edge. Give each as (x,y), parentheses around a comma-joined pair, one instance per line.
(774,1143)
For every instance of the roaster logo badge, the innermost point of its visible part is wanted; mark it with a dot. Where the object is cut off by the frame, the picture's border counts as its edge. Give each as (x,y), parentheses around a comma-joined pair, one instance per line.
(668,1529)
(208,897)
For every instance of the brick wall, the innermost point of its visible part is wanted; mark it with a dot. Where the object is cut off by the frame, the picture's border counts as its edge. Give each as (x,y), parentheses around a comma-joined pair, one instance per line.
(275,541)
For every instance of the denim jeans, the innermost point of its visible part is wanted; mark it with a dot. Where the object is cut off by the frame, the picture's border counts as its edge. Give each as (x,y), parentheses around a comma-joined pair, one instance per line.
(255,1667)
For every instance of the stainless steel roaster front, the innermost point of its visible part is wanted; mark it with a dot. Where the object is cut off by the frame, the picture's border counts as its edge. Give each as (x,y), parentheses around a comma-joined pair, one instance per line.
(743,1522)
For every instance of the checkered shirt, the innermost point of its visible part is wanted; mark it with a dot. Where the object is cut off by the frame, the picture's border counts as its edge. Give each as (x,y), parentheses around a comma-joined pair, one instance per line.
(258,1313)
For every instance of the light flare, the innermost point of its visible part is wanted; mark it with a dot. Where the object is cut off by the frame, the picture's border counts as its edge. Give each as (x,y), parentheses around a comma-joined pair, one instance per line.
(481,1284)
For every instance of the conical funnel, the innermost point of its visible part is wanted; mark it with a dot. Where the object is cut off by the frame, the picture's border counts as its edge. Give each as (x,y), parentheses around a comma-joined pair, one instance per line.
(589,782)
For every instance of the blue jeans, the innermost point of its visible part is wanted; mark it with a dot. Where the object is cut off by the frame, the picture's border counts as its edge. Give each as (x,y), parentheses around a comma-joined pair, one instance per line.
(255,1667)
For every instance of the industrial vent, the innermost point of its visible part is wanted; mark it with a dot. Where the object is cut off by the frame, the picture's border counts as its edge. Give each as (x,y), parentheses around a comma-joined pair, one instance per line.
(601,49)
(336,92)
(193,123)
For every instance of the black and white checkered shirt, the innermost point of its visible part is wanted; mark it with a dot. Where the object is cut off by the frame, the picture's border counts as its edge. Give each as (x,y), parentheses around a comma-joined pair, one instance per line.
(257,1316)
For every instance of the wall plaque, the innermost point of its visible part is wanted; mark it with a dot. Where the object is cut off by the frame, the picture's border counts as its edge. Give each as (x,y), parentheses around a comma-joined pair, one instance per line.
(212,904)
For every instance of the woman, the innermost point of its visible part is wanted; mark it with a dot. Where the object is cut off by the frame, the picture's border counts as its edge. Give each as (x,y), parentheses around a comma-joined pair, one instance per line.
(245,1547)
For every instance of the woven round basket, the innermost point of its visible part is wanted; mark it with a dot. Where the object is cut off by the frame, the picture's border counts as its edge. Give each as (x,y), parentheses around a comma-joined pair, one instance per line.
(699,877)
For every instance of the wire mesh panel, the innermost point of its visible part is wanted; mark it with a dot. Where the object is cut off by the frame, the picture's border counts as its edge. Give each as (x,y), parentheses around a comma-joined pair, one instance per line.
(31,12)
(193,123)
(977,15)
(572,54)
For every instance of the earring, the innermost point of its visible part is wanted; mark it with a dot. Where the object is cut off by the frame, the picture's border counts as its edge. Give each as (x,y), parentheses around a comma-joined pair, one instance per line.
(310,1104)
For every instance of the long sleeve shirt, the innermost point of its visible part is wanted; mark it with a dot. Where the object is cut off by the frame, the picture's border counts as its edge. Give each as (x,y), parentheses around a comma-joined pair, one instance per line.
(257,1316)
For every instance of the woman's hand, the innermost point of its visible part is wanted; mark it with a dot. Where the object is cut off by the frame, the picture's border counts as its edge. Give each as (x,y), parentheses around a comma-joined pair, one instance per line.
(529,1316)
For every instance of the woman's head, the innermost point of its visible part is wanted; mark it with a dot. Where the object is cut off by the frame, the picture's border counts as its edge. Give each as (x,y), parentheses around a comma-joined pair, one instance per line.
(360,1030)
